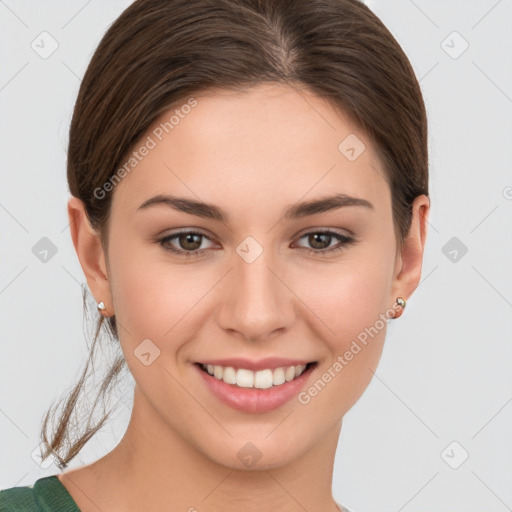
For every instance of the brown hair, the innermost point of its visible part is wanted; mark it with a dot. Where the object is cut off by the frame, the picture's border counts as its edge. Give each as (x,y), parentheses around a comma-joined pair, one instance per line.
(158,53)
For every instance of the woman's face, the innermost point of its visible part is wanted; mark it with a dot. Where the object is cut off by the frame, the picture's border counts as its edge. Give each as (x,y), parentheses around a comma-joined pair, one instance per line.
(263,281)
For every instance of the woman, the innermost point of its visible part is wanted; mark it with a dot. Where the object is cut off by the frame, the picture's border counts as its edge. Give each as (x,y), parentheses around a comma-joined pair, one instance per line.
(249,205)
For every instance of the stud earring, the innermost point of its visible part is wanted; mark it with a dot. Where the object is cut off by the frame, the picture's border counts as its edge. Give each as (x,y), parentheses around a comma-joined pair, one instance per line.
(401,302)
(101,306)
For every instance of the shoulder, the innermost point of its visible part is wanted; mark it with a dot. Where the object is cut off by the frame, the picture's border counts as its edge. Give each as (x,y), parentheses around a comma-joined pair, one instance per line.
(45,494)
(18,499)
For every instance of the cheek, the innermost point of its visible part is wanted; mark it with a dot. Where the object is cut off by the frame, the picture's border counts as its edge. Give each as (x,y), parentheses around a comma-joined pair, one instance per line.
(351,300)
(348,297)
(355,347)
(157,300)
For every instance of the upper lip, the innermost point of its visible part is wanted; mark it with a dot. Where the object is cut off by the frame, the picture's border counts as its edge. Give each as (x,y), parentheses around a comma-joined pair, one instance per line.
(262,364)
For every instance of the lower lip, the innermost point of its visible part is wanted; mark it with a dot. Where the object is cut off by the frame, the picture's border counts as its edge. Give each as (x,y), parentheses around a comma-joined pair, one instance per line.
(255,400)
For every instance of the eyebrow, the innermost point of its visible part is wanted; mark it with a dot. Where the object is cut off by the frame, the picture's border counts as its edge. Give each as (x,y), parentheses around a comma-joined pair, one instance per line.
(295,211)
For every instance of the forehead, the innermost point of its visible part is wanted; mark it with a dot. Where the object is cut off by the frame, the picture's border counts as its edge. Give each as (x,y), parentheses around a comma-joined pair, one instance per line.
(267,144)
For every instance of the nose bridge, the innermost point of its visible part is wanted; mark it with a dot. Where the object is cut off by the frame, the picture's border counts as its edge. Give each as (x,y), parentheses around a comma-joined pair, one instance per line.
(257,302)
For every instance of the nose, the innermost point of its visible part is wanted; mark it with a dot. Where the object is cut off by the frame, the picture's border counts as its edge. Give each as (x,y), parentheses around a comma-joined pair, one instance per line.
(256,301)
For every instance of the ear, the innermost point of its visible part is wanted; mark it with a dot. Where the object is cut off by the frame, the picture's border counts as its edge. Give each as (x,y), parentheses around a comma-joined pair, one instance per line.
(90,254)
(410,258)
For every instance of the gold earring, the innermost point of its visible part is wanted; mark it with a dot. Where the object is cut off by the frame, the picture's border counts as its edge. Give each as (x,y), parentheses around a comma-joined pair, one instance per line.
(401,302)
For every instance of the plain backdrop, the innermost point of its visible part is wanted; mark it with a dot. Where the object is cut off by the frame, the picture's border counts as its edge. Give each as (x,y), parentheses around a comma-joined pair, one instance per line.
(433,430)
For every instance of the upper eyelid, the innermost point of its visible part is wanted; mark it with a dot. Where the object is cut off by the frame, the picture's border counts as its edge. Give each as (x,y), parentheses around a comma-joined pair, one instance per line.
(193,231)
(171,237)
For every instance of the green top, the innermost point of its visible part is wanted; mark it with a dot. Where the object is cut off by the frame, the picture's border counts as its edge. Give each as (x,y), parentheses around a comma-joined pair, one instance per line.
(46,495)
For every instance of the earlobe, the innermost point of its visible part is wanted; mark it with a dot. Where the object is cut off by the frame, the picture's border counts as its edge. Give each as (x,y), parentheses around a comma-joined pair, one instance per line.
(399,307)
(90,252)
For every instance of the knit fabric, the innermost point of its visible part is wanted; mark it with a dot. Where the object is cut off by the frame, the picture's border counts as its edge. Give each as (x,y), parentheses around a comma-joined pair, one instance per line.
(46,495)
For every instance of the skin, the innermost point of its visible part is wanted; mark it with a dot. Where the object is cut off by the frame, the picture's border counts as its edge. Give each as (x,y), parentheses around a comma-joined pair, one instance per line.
(252,154)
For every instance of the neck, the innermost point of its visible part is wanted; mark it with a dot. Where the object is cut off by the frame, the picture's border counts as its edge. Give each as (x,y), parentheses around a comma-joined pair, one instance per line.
(153,469)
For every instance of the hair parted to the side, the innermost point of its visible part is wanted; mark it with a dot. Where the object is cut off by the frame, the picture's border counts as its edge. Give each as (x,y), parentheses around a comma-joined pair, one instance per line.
(159,53)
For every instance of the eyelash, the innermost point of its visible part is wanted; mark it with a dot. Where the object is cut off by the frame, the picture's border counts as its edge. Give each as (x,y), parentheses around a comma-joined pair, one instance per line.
(344,241)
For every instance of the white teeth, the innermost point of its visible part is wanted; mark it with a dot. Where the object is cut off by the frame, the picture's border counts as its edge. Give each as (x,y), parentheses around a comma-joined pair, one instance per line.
(229,375)
(217,372)
(290,373)
(244,378)
(278,377)
(261,379)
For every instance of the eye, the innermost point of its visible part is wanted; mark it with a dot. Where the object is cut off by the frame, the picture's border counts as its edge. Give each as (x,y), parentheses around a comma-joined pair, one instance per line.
(321,241)
(189,243)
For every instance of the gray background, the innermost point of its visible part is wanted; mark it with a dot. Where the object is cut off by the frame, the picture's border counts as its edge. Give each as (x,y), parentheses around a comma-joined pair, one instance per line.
(443,389)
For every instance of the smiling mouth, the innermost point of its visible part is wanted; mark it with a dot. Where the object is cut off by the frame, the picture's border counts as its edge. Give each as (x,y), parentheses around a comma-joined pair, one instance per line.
(261,379)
